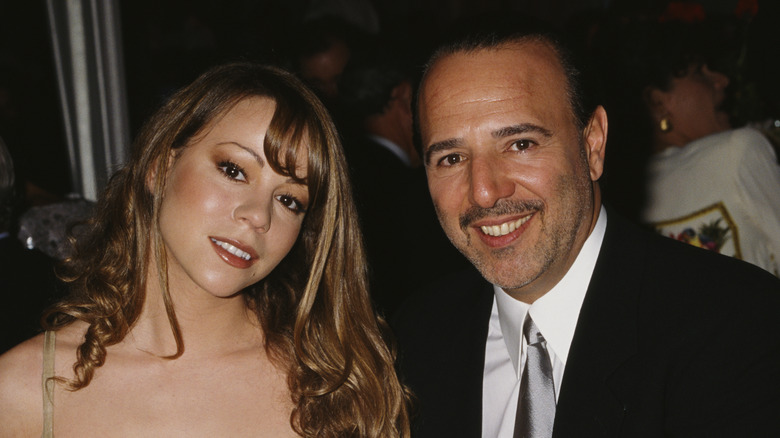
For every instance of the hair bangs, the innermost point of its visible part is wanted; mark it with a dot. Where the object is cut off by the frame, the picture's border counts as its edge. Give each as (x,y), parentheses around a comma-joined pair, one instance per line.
(294,135)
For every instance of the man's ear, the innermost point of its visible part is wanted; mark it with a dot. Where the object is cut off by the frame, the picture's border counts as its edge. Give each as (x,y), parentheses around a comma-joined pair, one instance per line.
(595,139)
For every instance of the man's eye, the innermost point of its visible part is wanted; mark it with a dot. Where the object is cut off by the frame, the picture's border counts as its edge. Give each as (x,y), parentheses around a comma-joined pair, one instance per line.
(522,144)
(232,170)
(450,160)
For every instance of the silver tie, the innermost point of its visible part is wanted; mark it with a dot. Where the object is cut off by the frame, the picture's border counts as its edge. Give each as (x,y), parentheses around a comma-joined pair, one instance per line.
(536,405)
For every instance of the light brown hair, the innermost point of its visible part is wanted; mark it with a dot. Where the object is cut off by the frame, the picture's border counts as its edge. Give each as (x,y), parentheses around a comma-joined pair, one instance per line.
(314,307)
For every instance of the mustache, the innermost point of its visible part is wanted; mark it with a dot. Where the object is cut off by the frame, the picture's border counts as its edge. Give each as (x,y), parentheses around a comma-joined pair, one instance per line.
(502,207)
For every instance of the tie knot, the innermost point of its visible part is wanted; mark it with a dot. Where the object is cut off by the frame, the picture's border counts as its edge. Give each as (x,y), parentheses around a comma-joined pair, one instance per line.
(531,332)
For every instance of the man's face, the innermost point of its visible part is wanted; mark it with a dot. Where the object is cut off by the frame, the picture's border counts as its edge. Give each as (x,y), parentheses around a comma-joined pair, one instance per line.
(507,170)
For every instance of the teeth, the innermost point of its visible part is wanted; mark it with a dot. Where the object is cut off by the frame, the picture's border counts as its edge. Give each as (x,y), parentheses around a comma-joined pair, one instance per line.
(232,249)
(505,228)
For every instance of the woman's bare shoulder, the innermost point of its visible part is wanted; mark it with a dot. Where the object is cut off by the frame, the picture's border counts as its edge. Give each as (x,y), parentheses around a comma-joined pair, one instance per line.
(20,389)
(21,382)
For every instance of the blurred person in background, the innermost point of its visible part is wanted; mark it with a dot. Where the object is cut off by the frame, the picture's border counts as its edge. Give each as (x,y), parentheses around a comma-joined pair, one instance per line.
(404,241)
(700,180)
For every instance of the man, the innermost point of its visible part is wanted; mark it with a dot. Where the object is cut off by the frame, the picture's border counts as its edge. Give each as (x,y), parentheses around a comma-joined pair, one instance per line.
(616,332)
(389,183)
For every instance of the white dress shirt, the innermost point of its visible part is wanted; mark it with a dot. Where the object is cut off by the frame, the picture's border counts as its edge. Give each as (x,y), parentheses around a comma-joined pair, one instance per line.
(555,315)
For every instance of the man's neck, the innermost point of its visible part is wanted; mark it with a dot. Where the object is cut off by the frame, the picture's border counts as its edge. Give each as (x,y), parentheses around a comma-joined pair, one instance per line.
(539,287)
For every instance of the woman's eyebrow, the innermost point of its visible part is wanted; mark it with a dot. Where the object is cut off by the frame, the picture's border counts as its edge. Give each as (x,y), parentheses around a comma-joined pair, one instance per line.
(251,151)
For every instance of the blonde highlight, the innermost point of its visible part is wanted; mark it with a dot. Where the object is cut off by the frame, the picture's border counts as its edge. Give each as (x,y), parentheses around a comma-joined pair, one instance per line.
(314,308)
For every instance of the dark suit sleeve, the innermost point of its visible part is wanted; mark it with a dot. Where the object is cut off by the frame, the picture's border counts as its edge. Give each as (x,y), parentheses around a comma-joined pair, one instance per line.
(672,341)
(441,337)
(726,381)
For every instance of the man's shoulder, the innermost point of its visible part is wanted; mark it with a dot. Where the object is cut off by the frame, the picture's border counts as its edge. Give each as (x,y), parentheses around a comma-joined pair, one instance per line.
(441,334)
(668,271)
(457,290)
(702,265)
(445,307)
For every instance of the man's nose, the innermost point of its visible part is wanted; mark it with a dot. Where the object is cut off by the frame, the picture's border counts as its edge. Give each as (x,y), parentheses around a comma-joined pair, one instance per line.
(489,183)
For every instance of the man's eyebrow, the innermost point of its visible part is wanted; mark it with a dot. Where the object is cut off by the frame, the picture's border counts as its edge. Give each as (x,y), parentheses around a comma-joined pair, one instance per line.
(500,133)
(522,128)
(441,146)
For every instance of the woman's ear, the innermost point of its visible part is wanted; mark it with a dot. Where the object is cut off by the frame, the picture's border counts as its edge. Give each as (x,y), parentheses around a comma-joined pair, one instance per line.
(657,102)
(151,176)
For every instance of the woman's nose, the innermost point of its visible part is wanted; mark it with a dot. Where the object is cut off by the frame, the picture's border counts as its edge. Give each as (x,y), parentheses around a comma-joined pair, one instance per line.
(255,212)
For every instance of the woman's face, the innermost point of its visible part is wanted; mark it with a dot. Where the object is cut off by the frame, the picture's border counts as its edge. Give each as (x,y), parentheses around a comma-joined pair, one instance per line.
(227,219)
(694,104)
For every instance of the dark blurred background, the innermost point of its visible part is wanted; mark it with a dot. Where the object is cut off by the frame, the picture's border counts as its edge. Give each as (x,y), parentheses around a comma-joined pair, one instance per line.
(166,43)
(161,45)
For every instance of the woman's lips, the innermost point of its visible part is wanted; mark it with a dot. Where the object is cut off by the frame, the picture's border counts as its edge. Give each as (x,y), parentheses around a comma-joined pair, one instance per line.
(233,252)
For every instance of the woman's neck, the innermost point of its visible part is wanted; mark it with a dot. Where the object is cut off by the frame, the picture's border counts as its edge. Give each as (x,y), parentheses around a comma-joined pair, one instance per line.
(207,324)
(665,140)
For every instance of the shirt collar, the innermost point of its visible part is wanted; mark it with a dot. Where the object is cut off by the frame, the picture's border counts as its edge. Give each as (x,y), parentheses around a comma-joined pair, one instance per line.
(394,148)
(556,312)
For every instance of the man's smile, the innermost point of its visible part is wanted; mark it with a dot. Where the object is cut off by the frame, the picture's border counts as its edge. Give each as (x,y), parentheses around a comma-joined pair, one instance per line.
(505,228)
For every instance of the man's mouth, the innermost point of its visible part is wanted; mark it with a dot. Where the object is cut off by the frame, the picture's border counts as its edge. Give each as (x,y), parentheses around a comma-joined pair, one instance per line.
(505,228)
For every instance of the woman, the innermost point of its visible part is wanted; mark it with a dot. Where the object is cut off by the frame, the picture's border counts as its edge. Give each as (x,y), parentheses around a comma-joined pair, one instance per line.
(703,182)
(221,288)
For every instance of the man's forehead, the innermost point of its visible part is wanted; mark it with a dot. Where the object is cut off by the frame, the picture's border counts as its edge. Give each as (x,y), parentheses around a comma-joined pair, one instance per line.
(526,74)
(500,59)
(523,67)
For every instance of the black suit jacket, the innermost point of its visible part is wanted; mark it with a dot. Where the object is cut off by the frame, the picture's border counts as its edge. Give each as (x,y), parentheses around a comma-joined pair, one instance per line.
(404,241)
(671,341)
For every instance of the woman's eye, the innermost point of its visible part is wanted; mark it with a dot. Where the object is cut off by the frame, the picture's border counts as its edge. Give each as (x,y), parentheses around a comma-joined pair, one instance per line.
(232,170)
(291,203)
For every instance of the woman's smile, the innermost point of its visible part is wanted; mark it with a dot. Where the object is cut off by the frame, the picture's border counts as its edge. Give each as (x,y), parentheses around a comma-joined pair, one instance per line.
(234,253)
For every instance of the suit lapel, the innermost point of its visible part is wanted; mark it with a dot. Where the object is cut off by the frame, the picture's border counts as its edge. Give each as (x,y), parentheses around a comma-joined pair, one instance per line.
(472,331)
(598,380)
(445,356)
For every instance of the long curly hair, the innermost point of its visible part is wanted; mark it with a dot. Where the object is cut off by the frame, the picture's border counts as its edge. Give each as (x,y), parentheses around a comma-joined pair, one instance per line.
(314,308)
